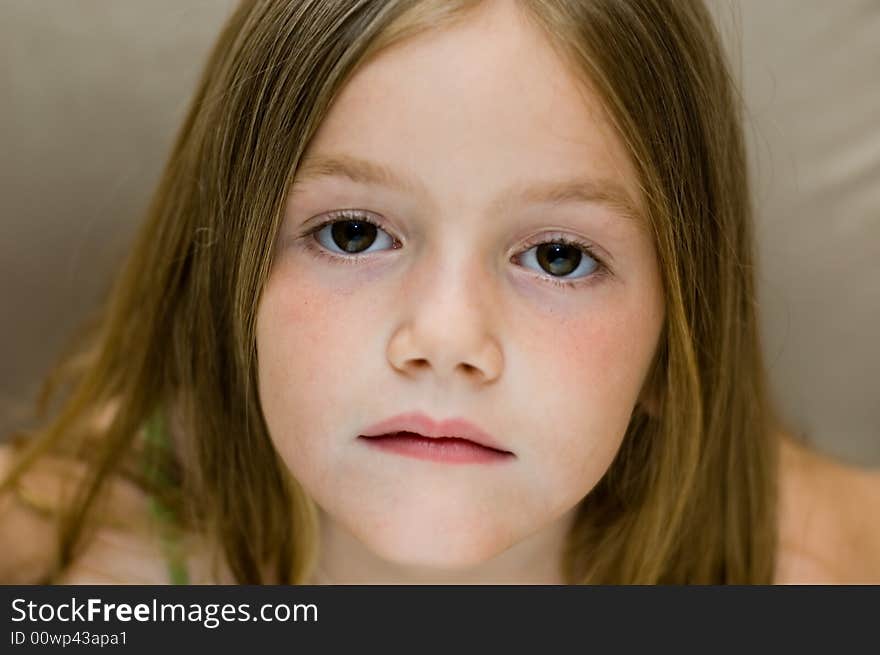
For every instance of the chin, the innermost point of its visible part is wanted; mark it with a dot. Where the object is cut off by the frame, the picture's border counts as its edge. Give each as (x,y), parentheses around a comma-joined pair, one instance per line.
(426,544)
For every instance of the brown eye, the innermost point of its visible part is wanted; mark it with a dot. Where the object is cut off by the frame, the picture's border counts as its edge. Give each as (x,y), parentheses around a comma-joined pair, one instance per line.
(353,236)
(561,260)
(350,236)
(558,258)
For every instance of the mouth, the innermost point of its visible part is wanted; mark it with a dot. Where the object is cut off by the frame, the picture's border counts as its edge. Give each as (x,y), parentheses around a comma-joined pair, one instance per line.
(442,449)
(415,434)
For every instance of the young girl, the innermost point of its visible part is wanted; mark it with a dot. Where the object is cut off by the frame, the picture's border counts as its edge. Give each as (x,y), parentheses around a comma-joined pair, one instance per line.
(439,292)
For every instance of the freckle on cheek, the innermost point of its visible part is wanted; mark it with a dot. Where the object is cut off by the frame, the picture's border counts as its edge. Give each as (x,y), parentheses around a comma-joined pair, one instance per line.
(595,346)
(298,305)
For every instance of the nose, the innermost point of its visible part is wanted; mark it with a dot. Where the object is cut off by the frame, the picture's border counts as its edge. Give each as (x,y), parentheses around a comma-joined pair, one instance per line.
(446,328)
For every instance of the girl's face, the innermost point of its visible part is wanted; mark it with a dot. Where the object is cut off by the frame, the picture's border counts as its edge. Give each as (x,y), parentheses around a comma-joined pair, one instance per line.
(469,148)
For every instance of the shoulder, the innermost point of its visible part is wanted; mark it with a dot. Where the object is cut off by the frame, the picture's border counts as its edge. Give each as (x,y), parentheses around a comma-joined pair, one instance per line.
(123,548)
(27,531)
(30,509)
(829,519)
(115,556)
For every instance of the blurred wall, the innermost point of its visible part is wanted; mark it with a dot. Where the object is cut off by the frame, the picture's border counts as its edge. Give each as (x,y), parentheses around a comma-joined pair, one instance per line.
(92,94)
(809,71)
(93,91)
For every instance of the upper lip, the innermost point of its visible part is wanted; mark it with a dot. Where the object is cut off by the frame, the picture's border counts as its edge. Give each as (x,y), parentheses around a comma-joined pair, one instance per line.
(424,425)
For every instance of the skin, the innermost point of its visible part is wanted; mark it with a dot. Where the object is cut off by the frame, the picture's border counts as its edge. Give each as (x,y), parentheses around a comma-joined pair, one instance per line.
(827,535)
(448,323)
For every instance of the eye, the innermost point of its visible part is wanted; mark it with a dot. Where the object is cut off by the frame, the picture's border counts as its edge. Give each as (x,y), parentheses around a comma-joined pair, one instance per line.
(350,233)
(567,262)
(346,234)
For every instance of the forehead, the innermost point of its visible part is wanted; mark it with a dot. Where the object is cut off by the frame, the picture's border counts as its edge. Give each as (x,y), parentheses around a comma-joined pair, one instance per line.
(467,111)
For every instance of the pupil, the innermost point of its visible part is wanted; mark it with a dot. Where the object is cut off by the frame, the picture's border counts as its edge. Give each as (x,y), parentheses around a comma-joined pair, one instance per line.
(353,236)
(558,258)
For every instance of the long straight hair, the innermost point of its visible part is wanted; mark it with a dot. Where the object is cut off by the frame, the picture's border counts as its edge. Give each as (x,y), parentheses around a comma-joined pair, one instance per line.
(691,495)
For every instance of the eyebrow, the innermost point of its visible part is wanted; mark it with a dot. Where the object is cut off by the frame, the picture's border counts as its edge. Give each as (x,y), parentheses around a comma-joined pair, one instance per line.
(582,190)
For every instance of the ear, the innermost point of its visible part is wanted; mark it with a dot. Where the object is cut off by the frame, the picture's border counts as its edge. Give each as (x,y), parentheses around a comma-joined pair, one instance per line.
(649,401)
(649,395)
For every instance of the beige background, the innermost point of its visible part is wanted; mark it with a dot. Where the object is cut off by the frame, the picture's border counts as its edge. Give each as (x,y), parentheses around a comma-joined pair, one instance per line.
(93,90)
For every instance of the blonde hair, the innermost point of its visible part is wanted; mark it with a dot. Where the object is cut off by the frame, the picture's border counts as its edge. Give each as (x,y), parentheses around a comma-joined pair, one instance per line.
(691,495)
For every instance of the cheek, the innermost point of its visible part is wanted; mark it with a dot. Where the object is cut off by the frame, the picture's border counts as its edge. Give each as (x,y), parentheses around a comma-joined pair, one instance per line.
(307,330)
(589,370)
(600,356)
(305,346)
(606,355)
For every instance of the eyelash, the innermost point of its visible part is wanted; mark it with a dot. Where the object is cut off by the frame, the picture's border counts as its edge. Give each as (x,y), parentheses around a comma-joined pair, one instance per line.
(346,215)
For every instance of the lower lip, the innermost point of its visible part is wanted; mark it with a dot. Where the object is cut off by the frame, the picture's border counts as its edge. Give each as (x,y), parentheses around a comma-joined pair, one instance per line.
(453,451)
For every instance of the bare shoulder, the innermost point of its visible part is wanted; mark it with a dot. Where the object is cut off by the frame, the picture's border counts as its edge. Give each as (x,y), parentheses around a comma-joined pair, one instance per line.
(115,556)
(829,519)
(26,527)
(29,516)
(125,548)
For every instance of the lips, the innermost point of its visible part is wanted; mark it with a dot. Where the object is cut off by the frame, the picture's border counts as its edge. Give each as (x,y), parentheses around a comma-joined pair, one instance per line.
(419,424)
